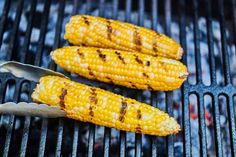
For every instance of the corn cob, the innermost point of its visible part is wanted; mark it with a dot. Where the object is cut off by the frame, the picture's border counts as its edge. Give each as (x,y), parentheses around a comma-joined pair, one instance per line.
(106,33)
(90,104)
(133,70)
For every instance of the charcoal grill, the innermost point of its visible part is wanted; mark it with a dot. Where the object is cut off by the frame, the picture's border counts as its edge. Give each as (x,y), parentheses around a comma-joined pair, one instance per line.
(27,34)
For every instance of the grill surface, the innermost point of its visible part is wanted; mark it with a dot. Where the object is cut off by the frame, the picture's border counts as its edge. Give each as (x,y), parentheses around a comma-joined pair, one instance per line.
(31,136)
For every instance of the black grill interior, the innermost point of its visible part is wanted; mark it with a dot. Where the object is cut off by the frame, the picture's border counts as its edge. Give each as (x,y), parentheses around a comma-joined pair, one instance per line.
(204,106)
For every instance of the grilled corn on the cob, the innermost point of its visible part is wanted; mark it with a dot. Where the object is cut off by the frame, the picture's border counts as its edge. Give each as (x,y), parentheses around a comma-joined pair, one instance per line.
(90,104)
(134,70)
(106,33)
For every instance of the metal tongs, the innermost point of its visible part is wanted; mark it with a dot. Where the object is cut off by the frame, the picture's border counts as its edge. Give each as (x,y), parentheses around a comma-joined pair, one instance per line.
(32,73)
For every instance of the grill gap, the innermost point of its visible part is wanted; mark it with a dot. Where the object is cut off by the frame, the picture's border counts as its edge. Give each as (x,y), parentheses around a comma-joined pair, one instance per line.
(193,108)
(224,124)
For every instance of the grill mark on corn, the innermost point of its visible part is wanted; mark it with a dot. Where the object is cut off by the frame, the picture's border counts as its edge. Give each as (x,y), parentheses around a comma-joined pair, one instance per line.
(86,20)
(123,110)
(109,29)
(83,44)
(138,129)
(145,75)
(102,56)
(163,66)
(93,99)
(80,53)
(139,115)
(91,113)
(148,63)
(111,81)
(137,39)
(154,46)
(90,72)
(120,57)
(62,97)
(149,87)
(138,60)
(93,96)
(133,85)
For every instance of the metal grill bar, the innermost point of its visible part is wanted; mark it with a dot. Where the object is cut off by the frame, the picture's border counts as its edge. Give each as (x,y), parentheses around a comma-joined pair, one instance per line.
(28,31)
(107,132)
(101,7)
(17,83)
(225,55)
(75,8)
(201,110)
(185,87)
(91,126)
(141,7)
(197,44)
(123,138)
(154,138)
(210,43)
(169,109)
(168,17)
(122,133)
(153,94)
(59,137)
(128,10)
(14,34)
(154,14)
(91,139)
(219,149)
(234,19)
(227,78)
(11,120)
(107,135)
(53,67)
(75,139)
(76,124)
(202,125)
(44,126)
(138,137)
(4,19)
(169,95)
(42,35)
(43,136)
(122,143)
(25,134)
(232,124)
(115,8)
(58,30)
(88,4)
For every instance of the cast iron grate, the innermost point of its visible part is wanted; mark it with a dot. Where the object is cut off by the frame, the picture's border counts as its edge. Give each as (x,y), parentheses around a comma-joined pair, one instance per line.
(30,29)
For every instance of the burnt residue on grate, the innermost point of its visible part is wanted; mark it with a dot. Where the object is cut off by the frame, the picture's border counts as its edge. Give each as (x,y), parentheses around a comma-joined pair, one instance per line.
(30,29)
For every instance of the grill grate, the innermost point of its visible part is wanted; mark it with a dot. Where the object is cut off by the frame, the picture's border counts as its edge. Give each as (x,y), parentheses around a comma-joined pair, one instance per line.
(31,136)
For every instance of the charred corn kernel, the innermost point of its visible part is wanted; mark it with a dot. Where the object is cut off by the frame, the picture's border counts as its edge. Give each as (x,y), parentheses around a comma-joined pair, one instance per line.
(90,104)
(134,70)
(106,33)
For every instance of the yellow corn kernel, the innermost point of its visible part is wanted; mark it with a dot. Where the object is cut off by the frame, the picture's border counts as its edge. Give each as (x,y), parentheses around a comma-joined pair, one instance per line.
(133,70)
(94,31)
(90,104)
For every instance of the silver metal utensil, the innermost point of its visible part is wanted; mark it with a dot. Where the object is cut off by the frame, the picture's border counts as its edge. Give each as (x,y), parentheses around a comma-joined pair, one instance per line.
(29,72)
(32,73)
